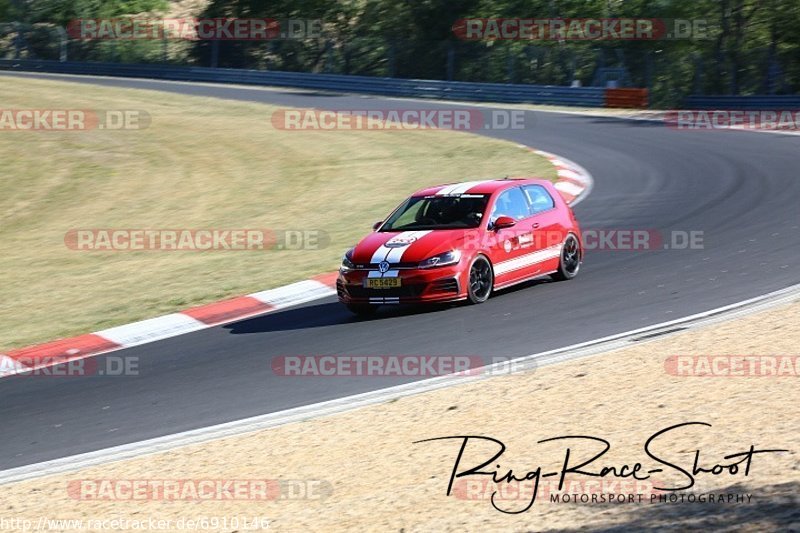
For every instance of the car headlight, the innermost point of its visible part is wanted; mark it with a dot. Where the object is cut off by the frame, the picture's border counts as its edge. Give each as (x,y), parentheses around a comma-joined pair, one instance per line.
(448,258)
(347,261)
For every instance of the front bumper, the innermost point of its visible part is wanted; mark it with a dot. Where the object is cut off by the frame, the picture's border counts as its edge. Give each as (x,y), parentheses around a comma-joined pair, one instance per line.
(444,284)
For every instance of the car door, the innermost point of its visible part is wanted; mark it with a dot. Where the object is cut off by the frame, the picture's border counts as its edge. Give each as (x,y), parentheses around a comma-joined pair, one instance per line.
(511,246)
(548,230)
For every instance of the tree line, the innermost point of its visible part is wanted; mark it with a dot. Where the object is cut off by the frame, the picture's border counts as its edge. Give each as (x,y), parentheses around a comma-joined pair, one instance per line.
(744,46)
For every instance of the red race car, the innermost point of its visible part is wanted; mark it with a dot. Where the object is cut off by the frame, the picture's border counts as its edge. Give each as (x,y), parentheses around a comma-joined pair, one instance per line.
(461,242)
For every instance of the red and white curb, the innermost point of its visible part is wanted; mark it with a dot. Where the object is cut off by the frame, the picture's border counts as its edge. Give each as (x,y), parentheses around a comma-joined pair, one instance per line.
(574,183)
(153,329)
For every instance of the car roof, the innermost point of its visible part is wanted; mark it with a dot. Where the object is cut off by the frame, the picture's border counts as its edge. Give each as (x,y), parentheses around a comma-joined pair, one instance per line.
(487,186)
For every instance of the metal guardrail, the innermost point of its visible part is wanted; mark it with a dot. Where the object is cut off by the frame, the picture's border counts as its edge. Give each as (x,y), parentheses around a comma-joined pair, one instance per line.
(743,102)
(444,90)
(450,90)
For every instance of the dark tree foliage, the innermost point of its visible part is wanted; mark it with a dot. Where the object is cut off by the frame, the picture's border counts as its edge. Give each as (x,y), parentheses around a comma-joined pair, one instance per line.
(749,46)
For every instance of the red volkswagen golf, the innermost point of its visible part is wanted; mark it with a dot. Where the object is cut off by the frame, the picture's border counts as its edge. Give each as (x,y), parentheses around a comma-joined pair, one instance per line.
(461,242)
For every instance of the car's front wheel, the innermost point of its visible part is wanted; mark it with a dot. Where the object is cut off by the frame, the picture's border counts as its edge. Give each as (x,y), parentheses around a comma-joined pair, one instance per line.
(481,280)
(570,261)
(362,309)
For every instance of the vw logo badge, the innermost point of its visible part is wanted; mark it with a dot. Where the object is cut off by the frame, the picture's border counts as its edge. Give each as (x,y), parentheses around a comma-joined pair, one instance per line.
(383,266)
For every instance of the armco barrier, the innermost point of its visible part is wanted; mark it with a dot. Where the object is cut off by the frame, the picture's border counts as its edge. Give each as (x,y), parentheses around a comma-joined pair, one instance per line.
(449,90)
(743,102)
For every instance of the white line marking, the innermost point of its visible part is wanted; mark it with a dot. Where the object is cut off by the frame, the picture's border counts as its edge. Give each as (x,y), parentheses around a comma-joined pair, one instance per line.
(9,366)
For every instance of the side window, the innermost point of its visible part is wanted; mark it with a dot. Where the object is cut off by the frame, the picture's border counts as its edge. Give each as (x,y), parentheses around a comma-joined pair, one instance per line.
(511,203)
(539,198)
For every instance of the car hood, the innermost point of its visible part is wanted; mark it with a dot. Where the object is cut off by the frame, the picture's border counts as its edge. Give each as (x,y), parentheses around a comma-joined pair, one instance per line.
(407,246)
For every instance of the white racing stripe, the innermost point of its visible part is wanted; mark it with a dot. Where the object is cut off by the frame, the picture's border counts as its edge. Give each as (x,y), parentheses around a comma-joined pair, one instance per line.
(394,254)
(384,300)
(388,274)
(460,188)
(383,250)
(530,259)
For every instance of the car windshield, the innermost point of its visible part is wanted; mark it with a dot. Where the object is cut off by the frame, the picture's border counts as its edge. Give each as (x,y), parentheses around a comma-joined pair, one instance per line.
(438,212)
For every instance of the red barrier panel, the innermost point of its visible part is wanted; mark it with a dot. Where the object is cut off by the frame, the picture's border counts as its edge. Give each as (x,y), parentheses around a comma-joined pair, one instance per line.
(626,98)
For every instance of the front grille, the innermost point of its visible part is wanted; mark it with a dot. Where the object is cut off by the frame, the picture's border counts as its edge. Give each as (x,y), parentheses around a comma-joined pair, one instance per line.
(410,291)
(392,266)
(446,285)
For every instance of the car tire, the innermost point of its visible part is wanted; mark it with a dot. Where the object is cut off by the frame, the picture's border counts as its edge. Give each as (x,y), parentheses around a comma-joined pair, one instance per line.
(362,309)
(480,280)
(570,260)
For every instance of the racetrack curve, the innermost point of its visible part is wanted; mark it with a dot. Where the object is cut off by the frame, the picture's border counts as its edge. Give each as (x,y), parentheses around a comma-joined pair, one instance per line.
(739,188)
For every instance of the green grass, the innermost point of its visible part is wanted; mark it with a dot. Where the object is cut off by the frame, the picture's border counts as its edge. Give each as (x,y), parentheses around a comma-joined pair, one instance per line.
(202,163)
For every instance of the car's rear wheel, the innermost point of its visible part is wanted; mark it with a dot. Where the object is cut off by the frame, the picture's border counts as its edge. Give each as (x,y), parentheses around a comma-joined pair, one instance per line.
(362,309)
(570,261)
(481,280)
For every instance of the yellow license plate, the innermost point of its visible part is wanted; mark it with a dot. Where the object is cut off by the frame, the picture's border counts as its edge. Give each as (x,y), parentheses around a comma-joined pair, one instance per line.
(382,283)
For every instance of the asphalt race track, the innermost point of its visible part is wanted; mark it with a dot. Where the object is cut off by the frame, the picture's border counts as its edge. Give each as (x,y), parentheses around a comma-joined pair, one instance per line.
(741,189)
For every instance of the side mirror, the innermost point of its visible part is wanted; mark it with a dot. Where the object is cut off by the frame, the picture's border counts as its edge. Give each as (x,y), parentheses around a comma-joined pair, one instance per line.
(377,225)
(503,222)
